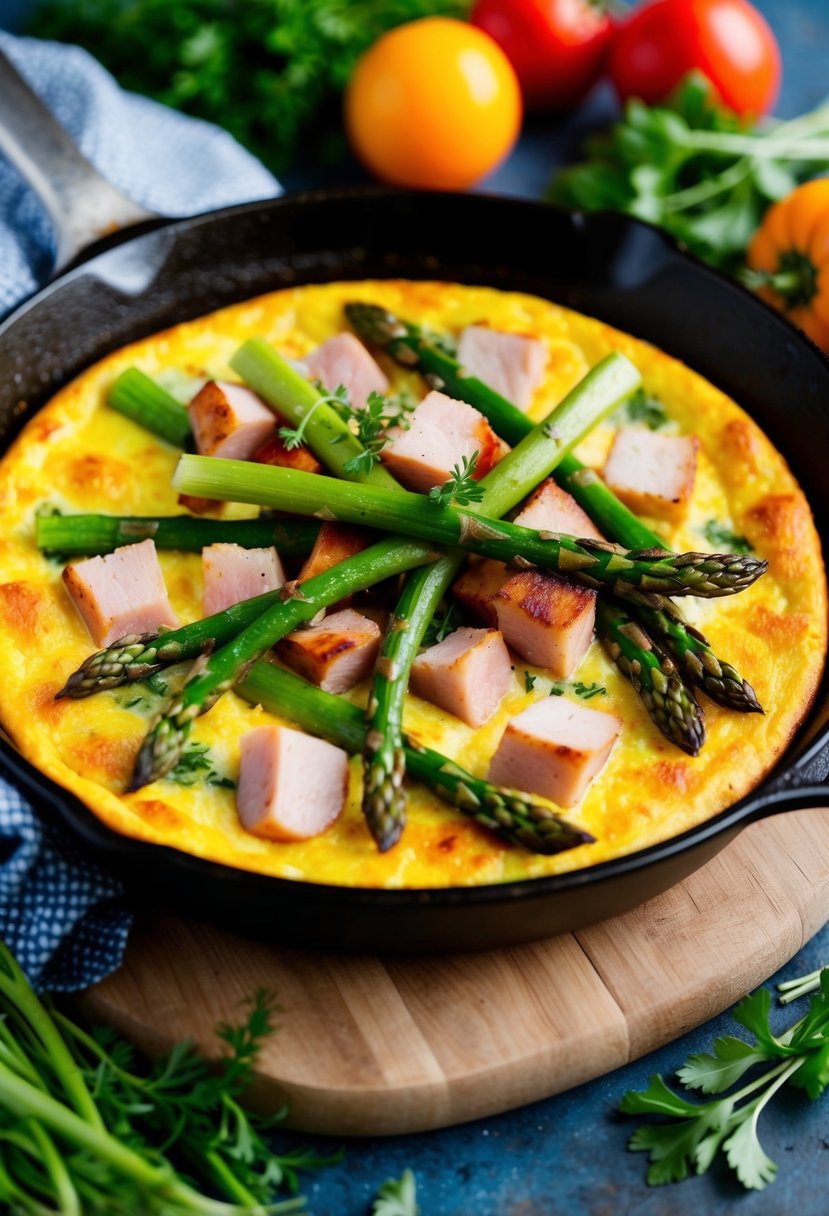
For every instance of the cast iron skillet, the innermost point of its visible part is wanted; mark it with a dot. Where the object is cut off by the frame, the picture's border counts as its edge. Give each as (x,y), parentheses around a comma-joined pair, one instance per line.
(623,272)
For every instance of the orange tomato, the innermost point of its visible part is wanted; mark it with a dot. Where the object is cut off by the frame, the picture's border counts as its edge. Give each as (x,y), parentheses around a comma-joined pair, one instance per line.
(434,104)
(788,259)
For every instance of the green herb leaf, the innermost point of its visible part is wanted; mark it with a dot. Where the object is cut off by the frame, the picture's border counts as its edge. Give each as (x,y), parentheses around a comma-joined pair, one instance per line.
(441,625)
(461,489)
(529,681)
(269,71)
(724,539)
(696,169)
(715,1073)
(397,1197)
(642,408)
(587,691)
(747,1158)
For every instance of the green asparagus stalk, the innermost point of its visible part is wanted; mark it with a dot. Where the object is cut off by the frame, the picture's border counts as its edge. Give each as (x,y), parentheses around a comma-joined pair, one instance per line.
(287,392)
(692,653)
(147,403)
(514,819)
(88,535)
(594,563)
(139,655)
(217,672)
(409,346)
(670,704)
(384,798)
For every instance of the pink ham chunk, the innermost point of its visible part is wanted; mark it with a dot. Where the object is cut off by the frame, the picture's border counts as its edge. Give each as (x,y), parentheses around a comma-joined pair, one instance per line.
(232,574)
(512,364)
(337,653)
(546,620)
(121,593)
(551,509)
(653,474)
(344,360)
(230,421)
(477,585)
(467,674)
(291,786)
(442,431)
(555,749)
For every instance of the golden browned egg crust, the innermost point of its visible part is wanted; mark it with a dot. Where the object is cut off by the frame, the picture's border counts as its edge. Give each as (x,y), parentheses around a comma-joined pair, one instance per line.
(78,455)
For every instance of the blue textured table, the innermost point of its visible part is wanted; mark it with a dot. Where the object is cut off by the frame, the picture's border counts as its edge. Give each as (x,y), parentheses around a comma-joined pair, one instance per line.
(566,1156)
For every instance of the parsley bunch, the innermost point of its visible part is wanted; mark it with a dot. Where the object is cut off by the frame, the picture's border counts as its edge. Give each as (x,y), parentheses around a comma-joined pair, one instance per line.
(693,168)
(693,1132)
(86,1129)
(266,70)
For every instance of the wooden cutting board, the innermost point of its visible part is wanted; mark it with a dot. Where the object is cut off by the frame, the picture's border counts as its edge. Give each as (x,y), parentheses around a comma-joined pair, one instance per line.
(371,1046)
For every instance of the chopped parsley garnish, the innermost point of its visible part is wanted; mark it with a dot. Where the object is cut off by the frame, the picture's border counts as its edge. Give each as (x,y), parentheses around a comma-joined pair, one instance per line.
(586,691)
(725,539)
(641,407)
(193,763)
(529,681)
(441,625)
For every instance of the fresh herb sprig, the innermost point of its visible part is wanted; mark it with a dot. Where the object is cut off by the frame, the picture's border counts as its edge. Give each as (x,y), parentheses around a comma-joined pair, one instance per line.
(371,426)
(294,436)
(696,170)
(442,624)
(461,488)
(693,1133)
(397,1197)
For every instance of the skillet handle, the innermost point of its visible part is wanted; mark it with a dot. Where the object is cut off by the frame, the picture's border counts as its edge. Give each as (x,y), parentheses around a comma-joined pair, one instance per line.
(81,204)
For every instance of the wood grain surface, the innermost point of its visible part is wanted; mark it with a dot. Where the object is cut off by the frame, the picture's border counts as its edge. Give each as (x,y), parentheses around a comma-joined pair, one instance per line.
(371,1046)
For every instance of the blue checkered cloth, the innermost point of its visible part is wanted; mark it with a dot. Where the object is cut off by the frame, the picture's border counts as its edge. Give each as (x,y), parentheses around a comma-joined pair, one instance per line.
(65,918)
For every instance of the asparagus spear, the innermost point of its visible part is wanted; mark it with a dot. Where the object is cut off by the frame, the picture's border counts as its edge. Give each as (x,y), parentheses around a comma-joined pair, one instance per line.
(594,563)
(287,392)
(513,818)
(217,672)
(409,346)
(691,651)
(530,461)
(672,706)
(138,655)
(147,403)
(384,799)
(87,535)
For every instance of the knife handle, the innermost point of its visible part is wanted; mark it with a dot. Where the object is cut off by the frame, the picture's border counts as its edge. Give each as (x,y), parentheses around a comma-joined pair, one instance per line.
(81,204)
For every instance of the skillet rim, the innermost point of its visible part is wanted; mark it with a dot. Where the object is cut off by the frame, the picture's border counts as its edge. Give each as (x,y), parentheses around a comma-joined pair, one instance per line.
(769,796)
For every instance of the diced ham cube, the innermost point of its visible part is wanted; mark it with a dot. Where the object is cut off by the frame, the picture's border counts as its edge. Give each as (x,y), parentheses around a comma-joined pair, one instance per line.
(653,474)
(344,360)
(512,364)
(232,574)
(551,509)
(337,653)
(547,620)
(291,786)
(555,749)
(230,421)
(121,593)
(466,674)
(274,451)
(333,545)
(442,431)
(477,585)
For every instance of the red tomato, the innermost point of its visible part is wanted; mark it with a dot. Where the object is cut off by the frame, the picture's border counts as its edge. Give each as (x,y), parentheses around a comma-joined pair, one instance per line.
(557,47)
(728,40)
